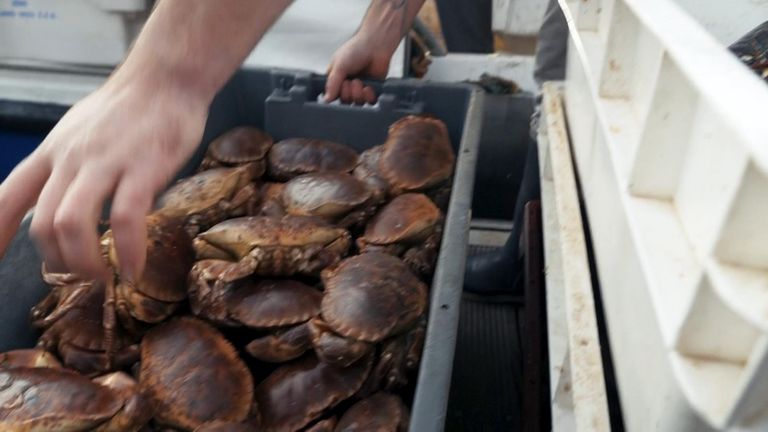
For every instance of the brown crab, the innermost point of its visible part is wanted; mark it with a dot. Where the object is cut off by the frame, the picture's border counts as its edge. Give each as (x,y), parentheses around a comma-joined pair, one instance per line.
(221,426)
(417,155)
(295,156)
(163,284)
(368,171)
(193,375)
(381,412)
(46,399)
(407,227)
(239,146)
(270,246)
(279,309)
(73,318)
(324,425)
(29,358)
(296,394)
(398,357)
(135,412)
(368,298)
(338,198)
(210,197)
(271,200)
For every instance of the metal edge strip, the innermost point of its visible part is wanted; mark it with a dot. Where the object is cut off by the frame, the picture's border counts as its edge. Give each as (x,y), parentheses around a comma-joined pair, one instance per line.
(434,379)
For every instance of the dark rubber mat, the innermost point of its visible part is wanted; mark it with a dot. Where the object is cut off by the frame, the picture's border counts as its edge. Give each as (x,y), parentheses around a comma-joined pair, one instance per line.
(487,370)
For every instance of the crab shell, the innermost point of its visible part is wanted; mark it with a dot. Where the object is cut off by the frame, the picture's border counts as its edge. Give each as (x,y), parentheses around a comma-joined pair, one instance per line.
(334,349)
(244,144)
(233,239)
(257,304)
(368,171)
(29,358)
(169,259)
(135,412)
(271,200)
(45,399)
(326,195)
(220,426)
(274,303)
(409,217)
(204,193)
(295,156)
(79,336)
(193,375)
(372,296)
(382,412)
(417,154)
(208,299)
(299,392)
(281,345)
(325,425)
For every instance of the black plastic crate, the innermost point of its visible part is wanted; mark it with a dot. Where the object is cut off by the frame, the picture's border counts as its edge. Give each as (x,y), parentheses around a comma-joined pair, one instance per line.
(284,103)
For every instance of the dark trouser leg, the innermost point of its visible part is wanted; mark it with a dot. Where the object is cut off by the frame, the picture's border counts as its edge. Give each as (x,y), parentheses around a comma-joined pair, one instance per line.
(501,272)
(529,190)
(466,25)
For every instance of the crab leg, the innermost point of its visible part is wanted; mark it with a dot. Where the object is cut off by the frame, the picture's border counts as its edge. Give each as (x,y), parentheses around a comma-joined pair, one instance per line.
(109,322)
(67,305)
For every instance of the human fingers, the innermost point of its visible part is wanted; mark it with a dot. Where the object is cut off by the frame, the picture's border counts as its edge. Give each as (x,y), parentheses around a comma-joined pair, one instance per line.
(77,217)
(336,77)
(356,89)
(346,92)
(131,204)
(42,227)
(369,95)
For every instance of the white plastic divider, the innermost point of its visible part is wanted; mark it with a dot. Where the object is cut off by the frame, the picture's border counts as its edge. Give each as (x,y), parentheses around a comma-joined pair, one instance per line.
(669,139)
(577,384)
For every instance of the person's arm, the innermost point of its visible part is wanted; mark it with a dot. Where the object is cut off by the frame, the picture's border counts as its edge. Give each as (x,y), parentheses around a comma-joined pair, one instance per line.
(128,138)
(370,50)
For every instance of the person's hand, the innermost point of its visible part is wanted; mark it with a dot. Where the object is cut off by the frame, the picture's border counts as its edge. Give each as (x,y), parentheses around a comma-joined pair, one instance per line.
(125,142)
(359,56)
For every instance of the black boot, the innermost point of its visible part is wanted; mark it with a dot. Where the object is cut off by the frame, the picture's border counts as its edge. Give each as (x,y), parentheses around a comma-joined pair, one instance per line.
(495,273)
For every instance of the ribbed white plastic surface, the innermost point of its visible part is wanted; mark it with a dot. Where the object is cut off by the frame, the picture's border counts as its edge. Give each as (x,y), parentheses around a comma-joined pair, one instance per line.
(670,138)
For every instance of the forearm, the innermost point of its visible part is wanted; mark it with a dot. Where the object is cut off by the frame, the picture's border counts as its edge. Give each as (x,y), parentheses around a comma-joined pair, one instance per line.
(196,45)
(387,21)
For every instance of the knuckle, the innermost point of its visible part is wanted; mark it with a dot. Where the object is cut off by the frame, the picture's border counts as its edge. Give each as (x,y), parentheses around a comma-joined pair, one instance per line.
(66,222)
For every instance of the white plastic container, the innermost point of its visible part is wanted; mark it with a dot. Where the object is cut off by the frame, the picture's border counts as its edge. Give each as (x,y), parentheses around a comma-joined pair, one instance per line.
(461,67)
(669,135)
(87,32)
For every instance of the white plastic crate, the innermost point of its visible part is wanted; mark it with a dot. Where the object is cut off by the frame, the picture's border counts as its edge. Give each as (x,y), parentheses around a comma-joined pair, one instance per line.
(460,67)
(669,138)
(518,17)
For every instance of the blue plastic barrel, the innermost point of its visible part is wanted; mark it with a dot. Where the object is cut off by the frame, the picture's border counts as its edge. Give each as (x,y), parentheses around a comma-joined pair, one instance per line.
(15,146)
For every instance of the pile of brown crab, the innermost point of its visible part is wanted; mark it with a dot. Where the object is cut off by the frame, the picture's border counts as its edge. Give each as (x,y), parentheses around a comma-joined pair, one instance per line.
(285,289)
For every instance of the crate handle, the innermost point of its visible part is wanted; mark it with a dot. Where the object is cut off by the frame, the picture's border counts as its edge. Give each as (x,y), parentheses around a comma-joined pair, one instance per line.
(308,89)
